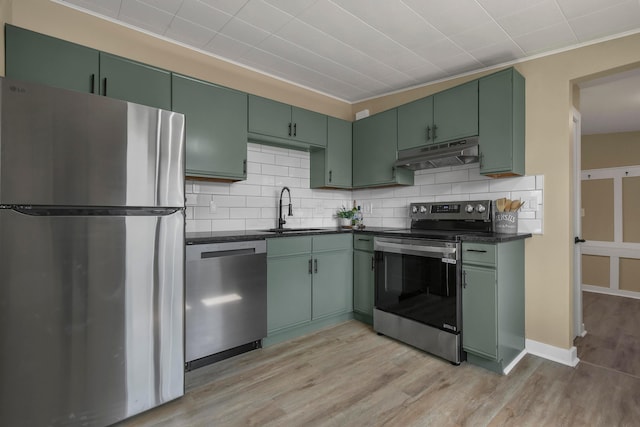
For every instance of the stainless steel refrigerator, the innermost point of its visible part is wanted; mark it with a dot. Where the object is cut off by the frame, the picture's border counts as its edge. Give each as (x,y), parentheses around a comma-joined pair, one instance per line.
(91,257)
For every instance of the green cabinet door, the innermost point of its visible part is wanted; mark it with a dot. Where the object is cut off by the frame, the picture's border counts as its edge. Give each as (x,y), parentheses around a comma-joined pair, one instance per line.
(216,135)
(480,311)
(41,59)
(415,124)
(375,151)
(274,122)
(132,81)
(332,283)
(363,282)
(502,124)
(309,126)
(288,292)
(268,117)
(455,112)
(331,167)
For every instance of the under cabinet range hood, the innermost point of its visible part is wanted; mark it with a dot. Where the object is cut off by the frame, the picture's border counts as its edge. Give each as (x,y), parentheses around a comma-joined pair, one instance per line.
(434,156)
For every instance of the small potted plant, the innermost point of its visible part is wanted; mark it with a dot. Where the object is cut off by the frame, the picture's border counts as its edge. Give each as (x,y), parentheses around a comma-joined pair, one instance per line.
(345,216)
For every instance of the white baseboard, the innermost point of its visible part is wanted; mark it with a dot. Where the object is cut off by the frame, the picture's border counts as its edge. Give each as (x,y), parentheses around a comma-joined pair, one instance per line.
(567,357)
(514,362)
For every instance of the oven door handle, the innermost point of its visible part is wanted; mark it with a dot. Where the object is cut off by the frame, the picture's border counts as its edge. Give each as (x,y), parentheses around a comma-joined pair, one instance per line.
(419,250)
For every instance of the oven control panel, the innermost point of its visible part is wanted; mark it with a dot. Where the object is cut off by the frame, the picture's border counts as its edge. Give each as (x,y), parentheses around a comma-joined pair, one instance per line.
(477,210)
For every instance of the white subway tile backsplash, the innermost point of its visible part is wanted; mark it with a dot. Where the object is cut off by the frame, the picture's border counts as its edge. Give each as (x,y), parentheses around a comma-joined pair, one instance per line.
(244,212)
(285,160)
(513,184)
(268,169)
(201,212)
(435,190)
(240,189)
(452,176)
(230,201)
(262,158)
(252,204)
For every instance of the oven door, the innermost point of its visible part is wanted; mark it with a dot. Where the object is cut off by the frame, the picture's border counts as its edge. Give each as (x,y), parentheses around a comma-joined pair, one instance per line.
(419,279)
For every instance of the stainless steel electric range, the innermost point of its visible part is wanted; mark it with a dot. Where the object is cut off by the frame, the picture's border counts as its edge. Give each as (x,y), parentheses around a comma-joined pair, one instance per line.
(418,275)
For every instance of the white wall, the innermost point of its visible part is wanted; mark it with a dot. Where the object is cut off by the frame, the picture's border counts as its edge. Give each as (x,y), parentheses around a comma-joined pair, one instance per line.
(252,204)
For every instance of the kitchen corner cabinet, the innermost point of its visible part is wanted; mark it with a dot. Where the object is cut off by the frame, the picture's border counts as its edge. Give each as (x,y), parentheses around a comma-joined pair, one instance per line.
(41,59)
(331,167)
(446,116)
(363,277)
(493,303)
(375,145)
(274,122)
(309,283)
(216,136)
(502,124)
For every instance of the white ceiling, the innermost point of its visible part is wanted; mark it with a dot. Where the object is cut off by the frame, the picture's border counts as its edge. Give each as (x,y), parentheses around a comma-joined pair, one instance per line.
(611,104)
(357,49)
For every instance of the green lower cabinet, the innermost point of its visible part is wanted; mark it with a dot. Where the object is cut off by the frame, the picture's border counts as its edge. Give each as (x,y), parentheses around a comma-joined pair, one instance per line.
(50,61)
(332,290)
(480,321)
(309,284)
(363,285)
(216,139)
(288,292)
(493,303)
(132,81)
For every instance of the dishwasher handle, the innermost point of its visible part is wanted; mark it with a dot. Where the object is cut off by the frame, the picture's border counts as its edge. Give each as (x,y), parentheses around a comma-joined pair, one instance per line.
(232,252)
(197,252)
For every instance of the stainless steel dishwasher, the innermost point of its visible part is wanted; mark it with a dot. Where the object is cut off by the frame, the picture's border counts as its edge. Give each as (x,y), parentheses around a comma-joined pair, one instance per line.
(225,300)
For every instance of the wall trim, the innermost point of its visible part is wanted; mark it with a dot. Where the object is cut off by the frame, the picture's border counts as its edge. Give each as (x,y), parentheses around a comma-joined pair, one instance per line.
(514,362)
(567,357)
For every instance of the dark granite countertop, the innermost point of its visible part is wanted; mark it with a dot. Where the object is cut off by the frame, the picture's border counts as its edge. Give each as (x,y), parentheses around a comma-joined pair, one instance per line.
(195,238)
(203,237)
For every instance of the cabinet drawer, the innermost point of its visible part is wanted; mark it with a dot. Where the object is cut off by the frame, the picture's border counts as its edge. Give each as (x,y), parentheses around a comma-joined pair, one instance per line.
(288,246)
(332,242)
(363,242)
(479,253)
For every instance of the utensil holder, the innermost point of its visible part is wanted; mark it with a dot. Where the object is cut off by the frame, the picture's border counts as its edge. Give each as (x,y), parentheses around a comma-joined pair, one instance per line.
(506,222)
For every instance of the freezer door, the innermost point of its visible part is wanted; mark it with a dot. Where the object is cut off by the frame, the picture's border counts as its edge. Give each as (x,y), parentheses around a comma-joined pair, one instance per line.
(59,147)
(91,317)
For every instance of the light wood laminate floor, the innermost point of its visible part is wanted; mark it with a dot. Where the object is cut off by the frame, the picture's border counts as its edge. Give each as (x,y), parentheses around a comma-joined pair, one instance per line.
(347,375)
(613,333)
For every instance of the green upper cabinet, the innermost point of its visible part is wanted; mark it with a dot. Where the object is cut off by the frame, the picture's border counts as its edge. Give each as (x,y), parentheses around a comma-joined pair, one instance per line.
(415,124)
(502,124)
(42,59)
(455,113)
(277,123)
(216,128)
(445,116)
(375,144)
(132,81)
(331,167)
(38,58)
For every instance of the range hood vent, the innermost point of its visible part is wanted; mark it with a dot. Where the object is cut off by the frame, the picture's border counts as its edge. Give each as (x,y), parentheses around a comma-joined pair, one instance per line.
(435,156)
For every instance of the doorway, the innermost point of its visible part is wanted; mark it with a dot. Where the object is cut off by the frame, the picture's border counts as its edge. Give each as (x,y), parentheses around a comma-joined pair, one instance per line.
(606,133)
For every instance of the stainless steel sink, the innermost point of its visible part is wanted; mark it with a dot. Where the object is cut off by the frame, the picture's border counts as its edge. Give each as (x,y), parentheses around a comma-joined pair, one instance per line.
(292,230)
